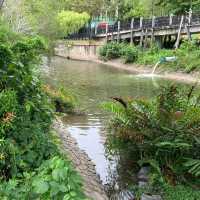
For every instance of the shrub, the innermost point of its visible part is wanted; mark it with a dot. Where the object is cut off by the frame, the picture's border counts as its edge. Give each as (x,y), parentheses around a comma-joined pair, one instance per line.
(163,132)
(62,99)
(111,50)
(25,113)
(130,54)
(54,179)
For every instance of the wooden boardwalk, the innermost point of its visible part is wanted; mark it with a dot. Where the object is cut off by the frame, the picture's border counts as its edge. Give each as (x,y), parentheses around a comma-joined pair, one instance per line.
(142,28)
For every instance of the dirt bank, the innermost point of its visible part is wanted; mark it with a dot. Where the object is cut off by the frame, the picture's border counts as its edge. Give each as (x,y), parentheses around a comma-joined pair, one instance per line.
(162,73)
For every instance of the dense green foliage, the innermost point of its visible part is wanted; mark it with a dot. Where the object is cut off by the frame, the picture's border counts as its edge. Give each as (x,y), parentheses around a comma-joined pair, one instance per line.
(54,179)
(187,55)
(62,99)
(28,166)
(163,133)
(114,50)
(179,6)
(70,21)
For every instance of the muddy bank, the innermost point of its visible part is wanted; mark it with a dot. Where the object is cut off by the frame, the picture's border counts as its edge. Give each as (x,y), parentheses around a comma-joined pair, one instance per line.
(163,73)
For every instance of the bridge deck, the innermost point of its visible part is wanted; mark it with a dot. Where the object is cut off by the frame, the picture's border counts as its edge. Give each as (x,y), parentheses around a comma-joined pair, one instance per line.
(157,26)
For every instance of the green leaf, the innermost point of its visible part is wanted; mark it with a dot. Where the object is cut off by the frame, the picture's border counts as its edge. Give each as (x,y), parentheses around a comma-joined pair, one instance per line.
(40,186)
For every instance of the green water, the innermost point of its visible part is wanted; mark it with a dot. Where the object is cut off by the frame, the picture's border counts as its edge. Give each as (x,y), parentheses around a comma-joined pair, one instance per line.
(94,83)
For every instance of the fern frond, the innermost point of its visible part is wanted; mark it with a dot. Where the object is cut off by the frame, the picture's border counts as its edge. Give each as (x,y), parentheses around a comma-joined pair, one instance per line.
(193,166)
(118,110)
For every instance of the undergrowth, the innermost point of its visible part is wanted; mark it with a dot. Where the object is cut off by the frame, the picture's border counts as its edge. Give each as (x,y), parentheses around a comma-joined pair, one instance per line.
(31,165)
(187,55)
(162,133)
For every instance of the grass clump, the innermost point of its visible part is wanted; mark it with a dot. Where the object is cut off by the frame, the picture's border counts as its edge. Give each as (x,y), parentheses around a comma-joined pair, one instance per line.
(62,99)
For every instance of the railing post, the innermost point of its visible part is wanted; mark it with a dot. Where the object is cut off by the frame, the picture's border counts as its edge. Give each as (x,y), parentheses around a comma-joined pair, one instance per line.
(112,32)
(170,19)
(190,17)
(118,33)
(106,32)
(152,30)
(141,31)
(96,30)
(132,27)
(141,22)
(187,26)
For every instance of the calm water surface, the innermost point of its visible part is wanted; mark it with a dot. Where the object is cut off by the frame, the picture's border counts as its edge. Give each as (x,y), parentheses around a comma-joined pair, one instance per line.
(94,83)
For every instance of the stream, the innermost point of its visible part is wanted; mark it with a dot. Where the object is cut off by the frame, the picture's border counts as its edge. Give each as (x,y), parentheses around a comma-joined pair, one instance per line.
(93,84)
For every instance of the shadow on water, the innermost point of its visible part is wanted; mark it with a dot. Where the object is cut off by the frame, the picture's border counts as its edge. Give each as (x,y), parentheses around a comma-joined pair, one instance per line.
(94,83)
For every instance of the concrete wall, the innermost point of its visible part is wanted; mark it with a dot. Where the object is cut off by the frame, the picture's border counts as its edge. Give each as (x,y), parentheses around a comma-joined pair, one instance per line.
(79,51)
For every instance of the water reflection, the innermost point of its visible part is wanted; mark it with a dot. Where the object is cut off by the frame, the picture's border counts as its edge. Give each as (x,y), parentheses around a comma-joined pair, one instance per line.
(93,84)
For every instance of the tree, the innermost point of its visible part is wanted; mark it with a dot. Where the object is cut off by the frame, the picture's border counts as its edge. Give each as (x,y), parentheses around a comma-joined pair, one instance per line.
(1,3)
(92,7)
(53,19)
(179,6)
(13,13)
(70,21)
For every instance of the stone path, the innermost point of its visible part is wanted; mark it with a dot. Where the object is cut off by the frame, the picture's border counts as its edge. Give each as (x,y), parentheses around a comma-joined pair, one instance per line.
(83,164)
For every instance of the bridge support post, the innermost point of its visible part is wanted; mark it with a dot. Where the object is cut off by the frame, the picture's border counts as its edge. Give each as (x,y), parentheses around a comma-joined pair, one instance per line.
(132,27)
(141,38)
(158,41)
(179,33)
(118,33)
(146,38)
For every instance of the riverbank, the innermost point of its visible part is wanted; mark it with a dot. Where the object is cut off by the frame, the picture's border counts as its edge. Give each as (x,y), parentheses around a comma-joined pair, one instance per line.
(84,166)
(145,70)
(90,53)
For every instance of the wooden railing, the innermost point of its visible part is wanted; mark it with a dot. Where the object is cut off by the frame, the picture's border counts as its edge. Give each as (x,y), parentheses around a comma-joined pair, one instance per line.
(156,23)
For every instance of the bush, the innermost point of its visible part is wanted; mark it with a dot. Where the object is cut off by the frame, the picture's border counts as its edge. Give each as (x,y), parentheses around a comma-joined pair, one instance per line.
(187,55)
(162,132)
(111,50)
(25,111)
(130,54)
(54,179)
(26,115)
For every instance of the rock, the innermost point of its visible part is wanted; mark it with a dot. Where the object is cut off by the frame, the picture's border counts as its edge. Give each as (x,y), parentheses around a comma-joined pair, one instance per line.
(143,174)
(150,197)
(123,195)
(142,183)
